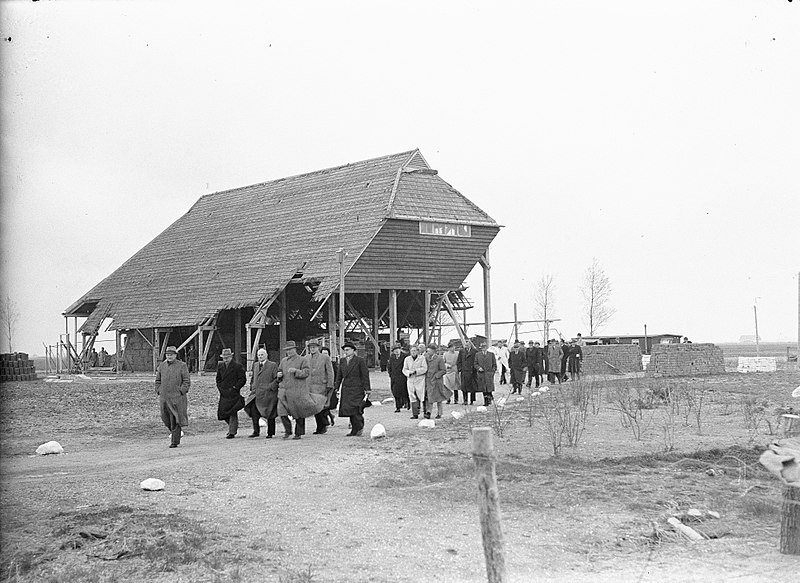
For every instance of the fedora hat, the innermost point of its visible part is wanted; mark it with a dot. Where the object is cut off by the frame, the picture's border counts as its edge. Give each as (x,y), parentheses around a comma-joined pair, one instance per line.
(289,344)
(349,344)
(171,350)
(227,352)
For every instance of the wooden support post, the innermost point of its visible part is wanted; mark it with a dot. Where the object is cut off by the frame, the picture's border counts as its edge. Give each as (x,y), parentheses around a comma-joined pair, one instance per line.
(165,344)
(375,328)
(392,317)
(250,355)
(426,330)
(790,521)
(487,296)
(237,335)
(332,327)
(204,350)
(156,348)
(283,320)
(118,344)
(489,505)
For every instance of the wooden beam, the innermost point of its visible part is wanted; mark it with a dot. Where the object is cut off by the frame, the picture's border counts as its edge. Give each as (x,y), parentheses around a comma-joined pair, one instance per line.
(166,343)
(202,364)
(426,313)
(237,333)
(393,316)
(283,319)
(360,320)
(487,296)
(118,344)
(375,322)
(145,337)
(462,334)
(189,339)
(156,348)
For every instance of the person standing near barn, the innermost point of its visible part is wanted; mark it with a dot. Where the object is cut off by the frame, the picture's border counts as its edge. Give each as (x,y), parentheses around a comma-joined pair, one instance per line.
(230,380)
(172,385)
(451,379)
(294,395)
(534,359)
(574,361)
(320,382)
(263,398)
(485,367)
(352,379)
(517,363)
(398,379)
(435,391)
(554,354)
(414,368)
(466,367)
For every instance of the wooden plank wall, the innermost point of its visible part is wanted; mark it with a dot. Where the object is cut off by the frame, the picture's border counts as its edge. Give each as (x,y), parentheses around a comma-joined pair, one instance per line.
(399,257)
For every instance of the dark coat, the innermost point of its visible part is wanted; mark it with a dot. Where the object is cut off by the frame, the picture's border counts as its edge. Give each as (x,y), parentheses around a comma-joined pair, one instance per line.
(435,391)
(172,384)
(574,358)
(397,378)
(230,380)
(535,358)
(485,377)
(263,390)
(517,361)
(353,380)
(466,366)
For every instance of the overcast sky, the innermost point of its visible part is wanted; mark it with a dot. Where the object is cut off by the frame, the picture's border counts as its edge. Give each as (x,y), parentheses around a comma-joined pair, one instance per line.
(660,138)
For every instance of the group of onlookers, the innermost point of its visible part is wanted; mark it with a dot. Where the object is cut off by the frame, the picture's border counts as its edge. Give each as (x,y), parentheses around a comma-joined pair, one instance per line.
(555,360)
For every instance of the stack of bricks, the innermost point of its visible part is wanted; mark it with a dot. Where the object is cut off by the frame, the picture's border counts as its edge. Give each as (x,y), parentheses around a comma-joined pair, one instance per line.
(16,367)
(623,358)
(674,360)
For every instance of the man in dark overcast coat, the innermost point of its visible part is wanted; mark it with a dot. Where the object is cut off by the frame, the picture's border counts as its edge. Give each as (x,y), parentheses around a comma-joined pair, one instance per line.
(230,380)
(352,377)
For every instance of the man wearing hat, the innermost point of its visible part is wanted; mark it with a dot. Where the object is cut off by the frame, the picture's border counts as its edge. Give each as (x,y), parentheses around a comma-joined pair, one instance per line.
(517,363)
(320,382)
(172,384)
(352,378)
(230,380)
(485,367)
(466,367)
(415,368)
(398,379)
(534,358)
(294,396)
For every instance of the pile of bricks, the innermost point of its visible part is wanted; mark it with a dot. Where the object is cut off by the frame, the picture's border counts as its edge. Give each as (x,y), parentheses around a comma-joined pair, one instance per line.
(611,359)
(16,367)
(675,360)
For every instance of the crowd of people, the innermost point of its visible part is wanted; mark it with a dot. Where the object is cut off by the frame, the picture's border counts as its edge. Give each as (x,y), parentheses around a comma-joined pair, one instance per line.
(423,379)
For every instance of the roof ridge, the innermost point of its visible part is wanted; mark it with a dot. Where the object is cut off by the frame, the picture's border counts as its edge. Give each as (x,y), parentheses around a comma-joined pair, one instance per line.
(320,171)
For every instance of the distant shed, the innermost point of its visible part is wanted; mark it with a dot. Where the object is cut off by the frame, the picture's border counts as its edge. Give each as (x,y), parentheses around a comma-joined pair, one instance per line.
(645,343)
(257,265)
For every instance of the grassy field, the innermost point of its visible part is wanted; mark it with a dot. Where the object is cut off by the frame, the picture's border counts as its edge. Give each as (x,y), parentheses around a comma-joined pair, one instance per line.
(588,473)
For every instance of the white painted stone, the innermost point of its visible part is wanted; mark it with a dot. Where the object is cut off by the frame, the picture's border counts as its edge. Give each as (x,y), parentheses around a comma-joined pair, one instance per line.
(481,409)
(520,399)
(152,484)
(262,422)
(378,431)
(694,512)
(377,404)
(51,447)
(796,393)
(427,424)
(543,389)
(388,400)
(713,514)
(457,414)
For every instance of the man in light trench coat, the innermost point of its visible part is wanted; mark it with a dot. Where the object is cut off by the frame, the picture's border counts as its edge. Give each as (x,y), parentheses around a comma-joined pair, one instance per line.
(172,384)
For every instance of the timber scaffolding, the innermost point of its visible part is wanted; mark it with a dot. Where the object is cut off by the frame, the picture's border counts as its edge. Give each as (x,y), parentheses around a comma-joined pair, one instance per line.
(256,266)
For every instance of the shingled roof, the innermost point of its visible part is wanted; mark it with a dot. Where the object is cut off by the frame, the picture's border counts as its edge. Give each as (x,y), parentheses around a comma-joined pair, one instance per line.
(234,248)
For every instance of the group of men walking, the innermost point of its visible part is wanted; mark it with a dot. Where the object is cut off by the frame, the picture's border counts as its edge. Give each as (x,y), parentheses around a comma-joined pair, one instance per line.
(296,388)
(555,361)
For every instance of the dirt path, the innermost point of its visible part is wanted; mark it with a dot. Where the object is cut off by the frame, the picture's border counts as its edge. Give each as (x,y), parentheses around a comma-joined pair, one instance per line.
(330,502)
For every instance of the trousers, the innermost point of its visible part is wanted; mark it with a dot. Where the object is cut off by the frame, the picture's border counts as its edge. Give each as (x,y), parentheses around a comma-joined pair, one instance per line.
(299,425)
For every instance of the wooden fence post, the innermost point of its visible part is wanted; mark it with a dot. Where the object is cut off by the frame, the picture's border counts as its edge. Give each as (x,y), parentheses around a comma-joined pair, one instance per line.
(489,505)
(790,521)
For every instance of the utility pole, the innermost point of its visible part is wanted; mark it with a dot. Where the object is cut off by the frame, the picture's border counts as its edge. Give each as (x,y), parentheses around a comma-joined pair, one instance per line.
(516,326)
(755,316)
(340,255)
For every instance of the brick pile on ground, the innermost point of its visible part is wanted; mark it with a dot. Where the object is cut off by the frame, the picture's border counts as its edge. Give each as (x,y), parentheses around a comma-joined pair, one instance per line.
(674,360)
(623,358)
(15,366)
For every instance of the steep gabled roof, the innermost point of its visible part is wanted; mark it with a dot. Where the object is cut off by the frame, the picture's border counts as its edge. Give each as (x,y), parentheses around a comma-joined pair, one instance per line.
(234,248)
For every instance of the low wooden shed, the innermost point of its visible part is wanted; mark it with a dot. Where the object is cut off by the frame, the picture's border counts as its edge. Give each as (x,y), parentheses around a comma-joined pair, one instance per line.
(257,265)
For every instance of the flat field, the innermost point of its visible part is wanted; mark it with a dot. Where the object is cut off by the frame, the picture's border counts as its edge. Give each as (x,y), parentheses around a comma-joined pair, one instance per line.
(336,509)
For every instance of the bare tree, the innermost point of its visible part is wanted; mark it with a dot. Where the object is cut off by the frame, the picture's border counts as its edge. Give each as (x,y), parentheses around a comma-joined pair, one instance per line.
(596,292)
(9,316)
(544,301)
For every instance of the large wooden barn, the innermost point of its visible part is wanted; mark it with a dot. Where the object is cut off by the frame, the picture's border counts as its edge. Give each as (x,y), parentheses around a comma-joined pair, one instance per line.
(258,265)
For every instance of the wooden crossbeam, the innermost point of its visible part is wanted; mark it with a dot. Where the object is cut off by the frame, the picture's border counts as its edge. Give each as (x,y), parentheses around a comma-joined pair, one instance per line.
(189,339)
(361,320)
(449,307)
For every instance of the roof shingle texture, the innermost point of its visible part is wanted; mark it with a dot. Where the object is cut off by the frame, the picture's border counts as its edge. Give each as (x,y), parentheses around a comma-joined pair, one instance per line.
(234,248)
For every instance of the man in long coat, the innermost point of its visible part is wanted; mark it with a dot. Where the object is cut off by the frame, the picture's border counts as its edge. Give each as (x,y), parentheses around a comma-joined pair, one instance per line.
(554,354)
(263,398)
(352,378)
(414,368)
(485,367)
(398,379)
(535,359)
(435,391)
(320,382)
(466,366)
(517,363)
(294,395)
(172,384)
(230,380)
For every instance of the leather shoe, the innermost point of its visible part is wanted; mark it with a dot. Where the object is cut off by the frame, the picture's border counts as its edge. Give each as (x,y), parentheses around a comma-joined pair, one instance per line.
(173,445)
(269,437)
(287,435)
(254,435)
(230,436)
(296,437)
